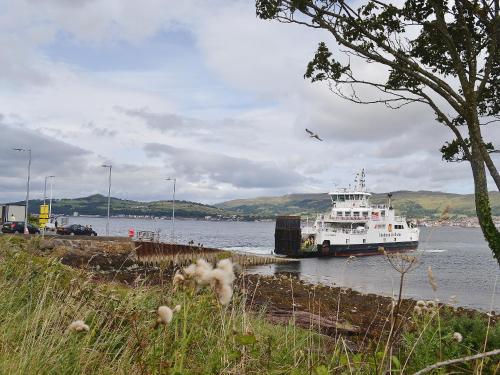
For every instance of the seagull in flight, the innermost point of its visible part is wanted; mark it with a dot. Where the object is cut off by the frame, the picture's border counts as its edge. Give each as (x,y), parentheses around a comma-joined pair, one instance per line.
(313,135)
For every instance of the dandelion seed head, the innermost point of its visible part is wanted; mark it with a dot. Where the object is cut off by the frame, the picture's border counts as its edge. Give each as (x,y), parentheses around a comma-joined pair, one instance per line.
(177,308)
(78,326)
(165,315)
(457,336)
(420,303)
(417,310)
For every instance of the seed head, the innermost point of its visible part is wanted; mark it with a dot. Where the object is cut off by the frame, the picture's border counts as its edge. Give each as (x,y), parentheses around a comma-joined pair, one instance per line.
(78,326)
(165,315)
(432,280)
(457,336)
(178,279)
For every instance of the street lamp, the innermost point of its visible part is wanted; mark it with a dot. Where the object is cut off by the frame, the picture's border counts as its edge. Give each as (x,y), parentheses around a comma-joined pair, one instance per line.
(28,150)
(173,208)
(50,199)
(109,195)
(45,188)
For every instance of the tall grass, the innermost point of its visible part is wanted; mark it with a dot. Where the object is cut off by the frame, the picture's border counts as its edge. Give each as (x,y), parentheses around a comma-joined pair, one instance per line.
(39,298)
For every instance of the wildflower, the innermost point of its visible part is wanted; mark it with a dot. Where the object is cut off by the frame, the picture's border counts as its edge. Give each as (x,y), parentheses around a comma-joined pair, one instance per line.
(431,304)
(227,266)
(78,326)
(420,303)
(203,272)
(178,279)
(177,308)
(190,270)
(432,280)
(417,310)
(457,336)
(165,315)
(224,294)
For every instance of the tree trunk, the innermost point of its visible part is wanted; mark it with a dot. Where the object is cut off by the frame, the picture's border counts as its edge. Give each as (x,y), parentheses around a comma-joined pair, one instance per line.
(482,198)
(491,166)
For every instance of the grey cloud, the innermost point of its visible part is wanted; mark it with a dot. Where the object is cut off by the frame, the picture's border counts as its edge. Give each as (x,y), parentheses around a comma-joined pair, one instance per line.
(49,157)
(160,121)
(239,172)
(99,131)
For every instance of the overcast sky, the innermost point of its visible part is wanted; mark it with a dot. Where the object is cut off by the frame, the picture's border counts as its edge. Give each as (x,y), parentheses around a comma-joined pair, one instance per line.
(199,90)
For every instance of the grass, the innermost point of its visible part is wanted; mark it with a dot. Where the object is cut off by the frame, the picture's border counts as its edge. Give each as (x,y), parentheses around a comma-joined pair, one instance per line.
(39,298)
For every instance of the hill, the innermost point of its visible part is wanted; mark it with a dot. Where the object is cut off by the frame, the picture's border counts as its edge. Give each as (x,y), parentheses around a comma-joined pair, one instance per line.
(97,205)
(413,204)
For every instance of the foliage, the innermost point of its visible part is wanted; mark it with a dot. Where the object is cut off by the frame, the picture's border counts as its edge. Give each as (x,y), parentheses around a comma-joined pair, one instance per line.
(97,205)
(432,341)
(39,298)
(443,54)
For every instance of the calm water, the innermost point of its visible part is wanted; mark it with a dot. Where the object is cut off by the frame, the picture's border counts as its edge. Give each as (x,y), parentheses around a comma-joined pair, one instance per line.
(461,261)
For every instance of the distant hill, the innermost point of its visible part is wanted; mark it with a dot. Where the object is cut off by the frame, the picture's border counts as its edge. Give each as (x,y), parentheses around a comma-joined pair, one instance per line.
(413,204)
(97,205)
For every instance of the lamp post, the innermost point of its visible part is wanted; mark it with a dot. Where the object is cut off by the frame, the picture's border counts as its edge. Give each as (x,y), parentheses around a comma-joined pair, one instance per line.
(45,188)
(50,199)
(28,150)
(109,195)
(173,208)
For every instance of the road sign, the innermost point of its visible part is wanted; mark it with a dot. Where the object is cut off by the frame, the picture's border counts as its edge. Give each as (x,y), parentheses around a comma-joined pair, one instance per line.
(43,219)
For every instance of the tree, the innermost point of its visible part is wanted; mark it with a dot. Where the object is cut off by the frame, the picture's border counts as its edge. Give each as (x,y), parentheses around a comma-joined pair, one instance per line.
(441,53)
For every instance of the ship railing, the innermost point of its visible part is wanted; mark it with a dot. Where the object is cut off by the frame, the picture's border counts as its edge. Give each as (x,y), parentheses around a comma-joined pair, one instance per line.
(350,218)
(399,219)
(346,231)
(357,218)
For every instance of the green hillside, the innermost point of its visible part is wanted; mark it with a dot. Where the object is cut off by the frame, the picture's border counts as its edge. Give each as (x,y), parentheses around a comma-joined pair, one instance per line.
(97,205)
(417,204)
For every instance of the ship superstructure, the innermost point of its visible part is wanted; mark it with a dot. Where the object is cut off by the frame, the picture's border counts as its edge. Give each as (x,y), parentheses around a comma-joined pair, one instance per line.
(352,227)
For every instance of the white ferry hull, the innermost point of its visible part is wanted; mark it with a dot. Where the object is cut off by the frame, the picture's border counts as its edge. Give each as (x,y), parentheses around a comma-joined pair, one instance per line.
(356,249)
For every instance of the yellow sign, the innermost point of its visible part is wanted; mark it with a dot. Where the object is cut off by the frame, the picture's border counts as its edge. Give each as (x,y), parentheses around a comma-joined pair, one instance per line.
(43,219)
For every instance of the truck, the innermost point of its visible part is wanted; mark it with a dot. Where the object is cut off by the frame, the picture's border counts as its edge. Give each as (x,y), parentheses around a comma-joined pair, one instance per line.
(7,211)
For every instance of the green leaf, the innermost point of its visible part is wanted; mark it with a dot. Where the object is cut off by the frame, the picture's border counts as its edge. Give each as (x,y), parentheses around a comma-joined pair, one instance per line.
(396,363)
(248,339)
(321,370)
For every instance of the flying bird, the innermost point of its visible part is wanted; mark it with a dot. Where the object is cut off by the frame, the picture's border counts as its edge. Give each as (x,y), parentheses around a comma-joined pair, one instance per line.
(313,135)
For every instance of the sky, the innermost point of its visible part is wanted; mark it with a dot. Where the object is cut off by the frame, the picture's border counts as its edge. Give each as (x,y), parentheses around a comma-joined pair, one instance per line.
(199,90)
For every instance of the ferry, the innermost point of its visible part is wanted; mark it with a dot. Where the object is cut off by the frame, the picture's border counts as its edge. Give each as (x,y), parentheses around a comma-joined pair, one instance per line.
(352,227)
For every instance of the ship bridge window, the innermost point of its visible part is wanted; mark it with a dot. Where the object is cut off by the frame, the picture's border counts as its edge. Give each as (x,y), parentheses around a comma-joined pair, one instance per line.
(341,198)
(355,214)
(339,213)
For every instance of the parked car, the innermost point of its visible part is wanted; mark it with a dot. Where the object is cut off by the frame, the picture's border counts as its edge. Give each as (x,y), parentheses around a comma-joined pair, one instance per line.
(76,229)
(18,227)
